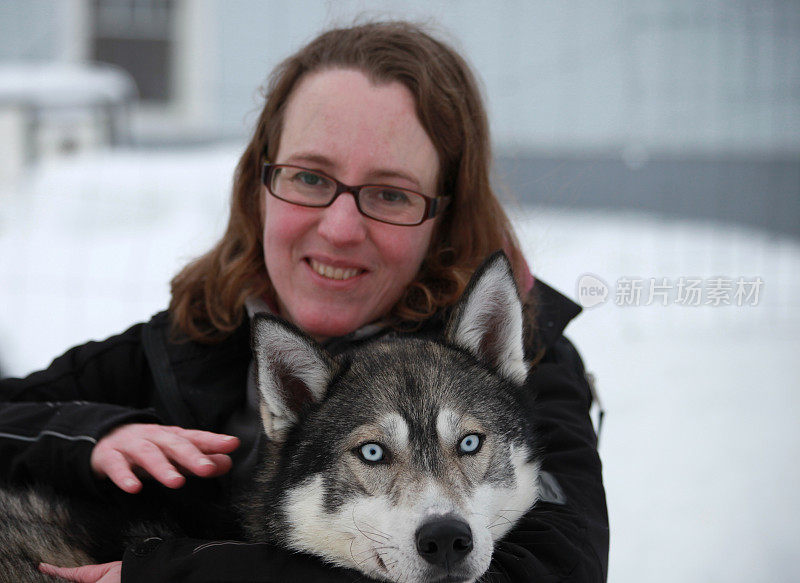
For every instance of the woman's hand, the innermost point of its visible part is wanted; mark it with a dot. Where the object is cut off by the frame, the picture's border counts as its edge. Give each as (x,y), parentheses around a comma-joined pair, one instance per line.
(105,573)
(163,452)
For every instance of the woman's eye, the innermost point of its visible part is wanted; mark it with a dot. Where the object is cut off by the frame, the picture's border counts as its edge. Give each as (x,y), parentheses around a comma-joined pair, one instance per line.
(309,178)
(470,444)
(393,196)
(371,452)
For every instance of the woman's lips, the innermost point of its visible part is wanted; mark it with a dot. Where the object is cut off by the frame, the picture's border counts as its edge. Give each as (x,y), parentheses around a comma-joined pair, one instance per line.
(333,272)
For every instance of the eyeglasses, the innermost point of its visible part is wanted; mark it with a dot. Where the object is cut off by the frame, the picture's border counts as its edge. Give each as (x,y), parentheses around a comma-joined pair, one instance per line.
(384,203)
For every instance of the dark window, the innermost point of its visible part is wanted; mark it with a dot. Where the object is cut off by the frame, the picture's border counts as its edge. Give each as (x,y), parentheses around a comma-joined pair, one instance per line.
(137,36)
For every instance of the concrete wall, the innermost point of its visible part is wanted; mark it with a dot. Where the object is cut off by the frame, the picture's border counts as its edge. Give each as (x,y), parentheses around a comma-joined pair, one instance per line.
(29,30)
(665,75)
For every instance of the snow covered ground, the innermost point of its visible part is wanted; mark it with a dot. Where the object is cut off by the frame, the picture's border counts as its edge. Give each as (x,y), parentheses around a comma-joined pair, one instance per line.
(702,432)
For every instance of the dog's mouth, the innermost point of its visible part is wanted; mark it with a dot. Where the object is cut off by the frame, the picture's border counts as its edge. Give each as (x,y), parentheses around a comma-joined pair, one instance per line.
(448,578)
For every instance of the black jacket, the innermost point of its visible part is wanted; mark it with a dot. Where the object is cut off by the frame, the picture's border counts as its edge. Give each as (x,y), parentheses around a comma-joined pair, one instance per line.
(50,421)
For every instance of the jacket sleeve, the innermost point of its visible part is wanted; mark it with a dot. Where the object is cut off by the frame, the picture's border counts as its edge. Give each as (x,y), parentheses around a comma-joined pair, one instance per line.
(196,561)
(565,537)
(51,420)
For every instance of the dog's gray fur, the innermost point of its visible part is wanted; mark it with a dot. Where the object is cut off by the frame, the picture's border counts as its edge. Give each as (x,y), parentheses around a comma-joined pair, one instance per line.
(418,400)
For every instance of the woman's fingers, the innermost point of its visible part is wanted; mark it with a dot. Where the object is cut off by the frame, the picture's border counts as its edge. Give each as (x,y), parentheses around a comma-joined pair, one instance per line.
(193,452)
(118,469)
(161,452)
(151,457)
(222,464)
(209,442)
(105,573)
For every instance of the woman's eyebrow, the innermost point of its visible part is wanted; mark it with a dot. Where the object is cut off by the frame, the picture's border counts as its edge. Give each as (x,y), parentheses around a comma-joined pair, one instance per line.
(388,174)
(311,158)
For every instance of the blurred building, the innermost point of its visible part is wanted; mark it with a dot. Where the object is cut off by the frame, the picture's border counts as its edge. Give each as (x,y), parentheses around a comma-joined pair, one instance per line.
(50,109)
(687,107)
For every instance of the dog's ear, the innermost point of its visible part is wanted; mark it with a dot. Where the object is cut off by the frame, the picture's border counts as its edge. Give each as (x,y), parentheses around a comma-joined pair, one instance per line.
(291,369)
(487,320)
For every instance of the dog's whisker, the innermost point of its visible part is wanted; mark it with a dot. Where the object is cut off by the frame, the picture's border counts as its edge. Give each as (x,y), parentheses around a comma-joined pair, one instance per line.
(496,524)
(367,533)
(369,551)
(375,534)
(373,539)
(376,530)
(366,527)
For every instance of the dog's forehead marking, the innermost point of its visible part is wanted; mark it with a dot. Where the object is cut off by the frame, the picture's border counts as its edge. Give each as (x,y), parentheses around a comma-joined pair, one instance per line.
(395,427)
(448,424)
(390,428)
(451,425)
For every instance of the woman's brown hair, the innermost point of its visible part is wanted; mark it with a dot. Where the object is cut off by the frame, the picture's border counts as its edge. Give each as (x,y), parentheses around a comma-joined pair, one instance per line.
(208,295)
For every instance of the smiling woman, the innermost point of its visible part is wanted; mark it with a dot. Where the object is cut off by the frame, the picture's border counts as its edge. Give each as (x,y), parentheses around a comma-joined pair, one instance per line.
(164,406)
(340,122)
(413,119)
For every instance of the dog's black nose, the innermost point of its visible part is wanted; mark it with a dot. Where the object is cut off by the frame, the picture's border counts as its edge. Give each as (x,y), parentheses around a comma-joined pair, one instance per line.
(444,541)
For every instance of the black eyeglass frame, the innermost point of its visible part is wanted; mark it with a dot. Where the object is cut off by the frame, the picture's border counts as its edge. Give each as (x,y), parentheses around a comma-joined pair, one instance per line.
(433,205)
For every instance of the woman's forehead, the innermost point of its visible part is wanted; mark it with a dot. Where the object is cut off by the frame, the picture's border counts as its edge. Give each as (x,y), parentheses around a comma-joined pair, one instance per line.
(338,120)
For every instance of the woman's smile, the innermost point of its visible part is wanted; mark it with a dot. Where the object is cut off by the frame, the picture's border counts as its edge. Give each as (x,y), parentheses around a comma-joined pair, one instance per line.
(329,271)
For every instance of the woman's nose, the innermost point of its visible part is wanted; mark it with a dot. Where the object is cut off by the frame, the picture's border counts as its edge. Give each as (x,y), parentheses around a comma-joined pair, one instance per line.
(341,223)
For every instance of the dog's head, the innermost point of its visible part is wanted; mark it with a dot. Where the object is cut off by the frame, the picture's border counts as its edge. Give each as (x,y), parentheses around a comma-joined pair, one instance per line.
(405,458)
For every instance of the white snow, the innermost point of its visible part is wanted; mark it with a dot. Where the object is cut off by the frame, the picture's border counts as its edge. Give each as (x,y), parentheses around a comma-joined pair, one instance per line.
(701,435)
(701,440)
(61,85)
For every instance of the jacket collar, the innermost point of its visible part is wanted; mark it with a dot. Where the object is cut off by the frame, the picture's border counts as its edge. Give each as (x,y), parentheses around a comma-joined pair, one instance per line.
(554,312)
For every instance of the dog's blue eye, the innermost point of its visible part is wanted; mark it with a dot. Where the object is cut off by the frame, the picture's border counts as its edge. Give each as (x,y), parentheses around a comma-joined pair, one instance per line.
(372,452)
(470,444)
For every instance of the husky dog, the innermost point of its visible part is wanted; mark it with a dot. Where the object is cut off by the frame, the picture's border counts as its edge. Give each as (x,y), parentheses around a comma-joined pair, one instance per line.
(405,458)
(414,456)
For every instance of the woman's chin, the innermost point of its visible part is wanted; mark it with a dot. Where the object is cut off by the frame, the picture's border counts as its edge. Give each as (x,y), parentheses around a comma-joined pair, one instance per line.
(327,325)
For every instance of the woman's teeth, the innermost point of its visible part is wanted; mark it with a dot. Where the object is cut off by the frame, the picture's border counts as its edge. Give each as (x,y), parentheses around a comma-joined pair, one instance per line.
(333,272)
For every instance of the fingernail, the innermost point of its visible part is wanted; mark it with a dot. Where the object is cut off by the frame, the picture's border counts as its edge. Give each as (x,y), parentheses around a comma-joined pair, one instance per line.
(205,462)
(131,483)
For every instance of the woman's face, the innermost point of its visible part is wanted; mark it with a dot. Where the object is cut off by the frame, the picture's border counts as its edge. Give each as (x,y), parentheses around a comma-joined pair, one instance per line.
(332,268)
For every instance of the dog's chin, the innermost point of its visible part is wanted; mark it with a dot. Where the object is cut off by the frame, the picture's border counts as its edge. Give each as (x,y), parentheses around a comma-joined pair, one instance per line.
(452,578)
(437,575)
(433,575)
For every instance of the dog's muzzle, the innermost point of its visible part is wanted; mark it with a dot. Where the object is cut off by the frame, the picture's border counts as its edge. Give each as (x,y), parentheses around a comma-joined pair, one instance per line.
(444,541)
